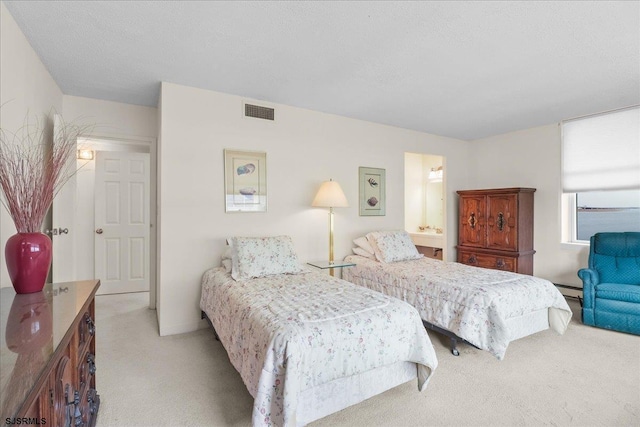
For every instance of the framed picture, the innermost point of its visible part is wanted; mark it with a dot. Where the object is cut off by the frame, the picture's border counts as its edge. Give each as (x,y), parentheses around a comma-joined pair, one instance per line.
(372,191)
(245,181)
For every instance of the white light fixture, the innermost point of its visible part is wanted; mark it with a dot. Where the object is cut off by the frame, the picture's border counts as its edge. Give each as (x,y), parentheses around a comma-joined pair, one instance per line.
(330,195)
(435,174)
(85,155)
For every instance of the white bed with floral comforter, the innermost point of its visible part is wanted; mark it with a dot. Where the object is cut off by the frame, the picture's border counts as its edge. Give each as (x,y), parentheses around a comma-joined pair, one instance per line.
(474,303)
(289,333)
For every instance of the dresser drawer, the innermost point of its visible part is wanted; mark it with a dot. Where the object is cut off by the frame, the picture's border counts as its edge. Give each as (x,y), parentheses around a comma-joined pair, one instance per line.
(496,262)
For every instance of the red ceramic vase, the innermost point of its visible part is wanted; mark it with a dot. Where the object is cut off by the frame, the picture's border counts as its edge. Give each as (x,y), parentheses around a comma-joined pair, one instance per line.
(28,258)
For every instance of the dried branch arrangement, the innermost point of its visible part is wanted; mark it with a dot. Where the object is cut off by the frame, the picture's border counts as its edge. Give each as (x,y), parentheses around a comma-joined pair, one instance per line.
(34,167)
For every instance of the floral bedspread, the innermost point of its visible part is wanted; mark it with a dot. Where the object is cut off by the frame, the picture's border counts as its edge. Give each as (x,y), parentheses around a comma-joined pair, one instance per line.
(473,303)
(287,333)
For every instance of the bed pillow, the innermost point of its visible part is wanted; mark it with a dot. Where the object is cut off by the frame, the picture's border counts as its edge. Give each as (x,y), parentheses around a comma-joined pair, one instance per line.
(393,246)
(227,253)
(263,256)
(362,252)
(363,243)
(226,263)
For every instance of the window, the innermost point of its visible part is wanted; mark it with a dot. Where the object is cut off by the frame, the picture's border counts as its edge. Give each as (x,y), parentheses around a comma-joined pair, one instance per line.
(601,174)
(600,211)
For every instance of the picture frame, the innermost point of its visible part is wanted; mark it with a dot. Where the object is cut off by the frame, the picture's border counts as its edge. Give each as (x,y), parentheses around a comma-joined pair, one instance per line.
(245,181)
(372,191)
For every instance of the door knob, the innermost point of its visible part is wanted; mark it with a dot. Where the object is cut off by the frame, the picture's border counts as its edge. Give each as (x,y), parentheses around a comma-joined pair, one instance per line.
(99,231)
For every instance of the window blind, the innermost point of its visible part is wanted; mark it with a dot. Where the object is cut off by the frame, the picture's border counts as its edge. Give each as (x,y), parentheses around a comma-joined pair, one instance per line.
(601,152)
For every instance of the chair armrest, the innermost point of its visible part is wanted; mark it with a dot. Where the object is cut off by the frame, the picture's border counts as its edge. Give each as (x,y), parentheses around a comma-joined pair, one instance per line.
(590,279)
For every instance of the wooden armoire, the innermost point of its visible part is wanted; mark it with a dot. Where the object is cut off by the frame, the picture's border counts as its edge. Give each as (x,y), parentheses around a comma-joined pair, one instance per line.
(495,229)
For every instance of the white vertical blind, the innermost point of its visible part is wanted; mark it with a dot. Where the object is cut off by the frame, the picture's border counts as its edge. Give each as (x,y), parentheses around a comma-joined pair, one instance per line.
(601,152)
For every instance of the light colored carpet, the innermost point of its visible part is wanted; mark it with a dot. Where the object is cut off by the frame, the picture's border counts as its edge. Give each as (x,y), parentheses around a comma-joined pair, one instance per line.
(588,377)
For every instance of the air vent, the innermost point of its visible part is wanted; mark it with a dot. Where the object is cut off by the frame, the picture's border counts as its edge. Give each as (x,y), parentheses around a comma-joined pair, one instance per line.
(258,112)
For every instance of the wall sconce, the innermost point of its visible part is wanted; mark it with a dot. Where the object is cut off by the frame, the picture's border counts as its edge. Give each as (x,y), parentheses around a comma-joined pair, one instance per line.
(85,155)
(435,174)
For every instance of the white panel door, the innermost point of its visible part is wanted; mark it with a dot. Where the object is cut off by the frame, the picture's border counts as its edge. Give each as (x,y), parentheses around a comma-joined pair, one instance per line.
(122,221)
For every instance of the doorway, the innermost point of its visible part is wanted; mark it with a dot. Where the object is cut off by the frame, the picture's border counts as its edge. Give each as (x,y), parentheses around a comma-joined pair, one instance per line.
(425,203)
(81,213)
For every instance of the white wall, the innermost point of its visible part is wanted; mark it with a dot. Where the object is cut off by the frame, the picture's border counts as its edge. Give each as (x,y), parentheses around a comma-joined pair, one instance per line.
(303,149)
(25,87)
(112,119)
(531,158)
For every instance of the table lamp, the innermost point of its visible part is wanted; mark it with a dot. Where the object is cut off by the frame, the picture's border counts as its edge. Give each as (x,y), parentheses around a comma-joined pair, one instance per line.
(330,195)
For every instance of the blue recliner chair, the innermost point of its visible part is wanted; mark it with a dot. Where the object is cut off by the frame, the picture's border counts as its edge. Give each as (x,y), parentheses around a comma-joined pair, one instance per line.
(611,284)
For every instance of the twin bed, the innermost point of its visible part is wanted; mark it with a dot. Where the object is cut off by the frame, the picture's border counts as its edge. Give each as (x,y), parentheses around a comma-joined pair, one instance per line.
(485,308)
(307,344)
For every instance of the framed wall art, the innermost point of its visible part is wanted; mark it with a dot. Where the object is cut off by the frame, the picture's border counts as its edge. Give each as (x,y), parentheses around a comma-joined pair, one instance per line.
(245,181)
(372,191)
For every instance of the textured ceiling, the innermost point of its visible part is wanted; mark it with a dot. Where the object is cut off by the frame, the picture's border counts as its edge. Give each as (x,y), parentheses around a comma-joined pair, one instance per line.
(460,69)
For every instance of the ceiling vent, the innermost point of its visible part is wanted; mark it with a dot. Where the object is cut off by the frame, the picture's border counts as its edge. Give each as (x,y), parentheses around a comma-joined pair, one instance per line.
(259,112)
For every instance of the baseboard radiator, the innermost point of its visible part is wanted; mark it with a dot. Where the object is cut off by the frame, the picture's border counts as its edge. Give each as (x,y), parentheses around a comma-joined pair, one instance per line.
(573,288)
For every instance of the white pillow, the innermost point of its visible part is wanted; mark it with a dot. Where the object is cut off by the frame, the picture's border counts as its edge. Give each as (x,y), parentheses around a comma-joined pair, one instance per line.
(362,252)
(226,263)
(364,244)
(393,246)
(227,253)
(263,256)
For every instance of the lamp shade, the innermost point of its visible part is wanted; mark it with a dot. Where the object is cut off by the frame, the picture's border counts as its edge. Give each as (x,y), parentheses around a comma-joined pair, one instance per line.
(330,195)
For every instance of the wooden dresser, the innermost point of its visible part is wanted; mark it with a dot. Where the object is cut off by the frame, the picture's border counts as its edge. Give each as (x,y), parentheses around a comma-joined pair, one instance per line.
(48,349)
(495,229)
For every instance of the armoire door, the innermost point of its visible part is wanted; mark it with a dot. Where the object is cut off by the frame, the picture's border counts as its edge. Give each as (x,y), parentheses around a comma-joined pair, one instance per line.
(502,222)
(472,221)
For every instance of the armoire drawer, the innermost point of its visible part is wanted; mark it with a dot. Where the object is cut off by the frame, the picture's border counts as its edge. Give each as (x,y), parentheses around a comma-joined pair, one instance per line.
(496,262)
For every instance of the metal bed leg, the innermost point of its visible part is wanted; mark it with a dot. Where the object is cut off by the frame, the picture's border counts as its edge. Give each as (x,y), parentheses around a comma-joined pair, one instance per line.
(454,347)
(203,315)
(453,337)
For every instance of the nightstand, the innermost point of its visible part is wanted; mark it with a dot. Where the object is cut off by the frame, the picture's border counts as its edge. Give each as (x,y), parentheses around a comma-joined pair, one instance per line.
(323,265)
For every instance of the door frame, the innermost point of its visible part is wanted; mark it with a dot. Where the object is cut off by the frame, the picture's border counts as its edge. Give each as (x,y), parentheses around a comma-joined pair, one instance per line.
(114,142)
